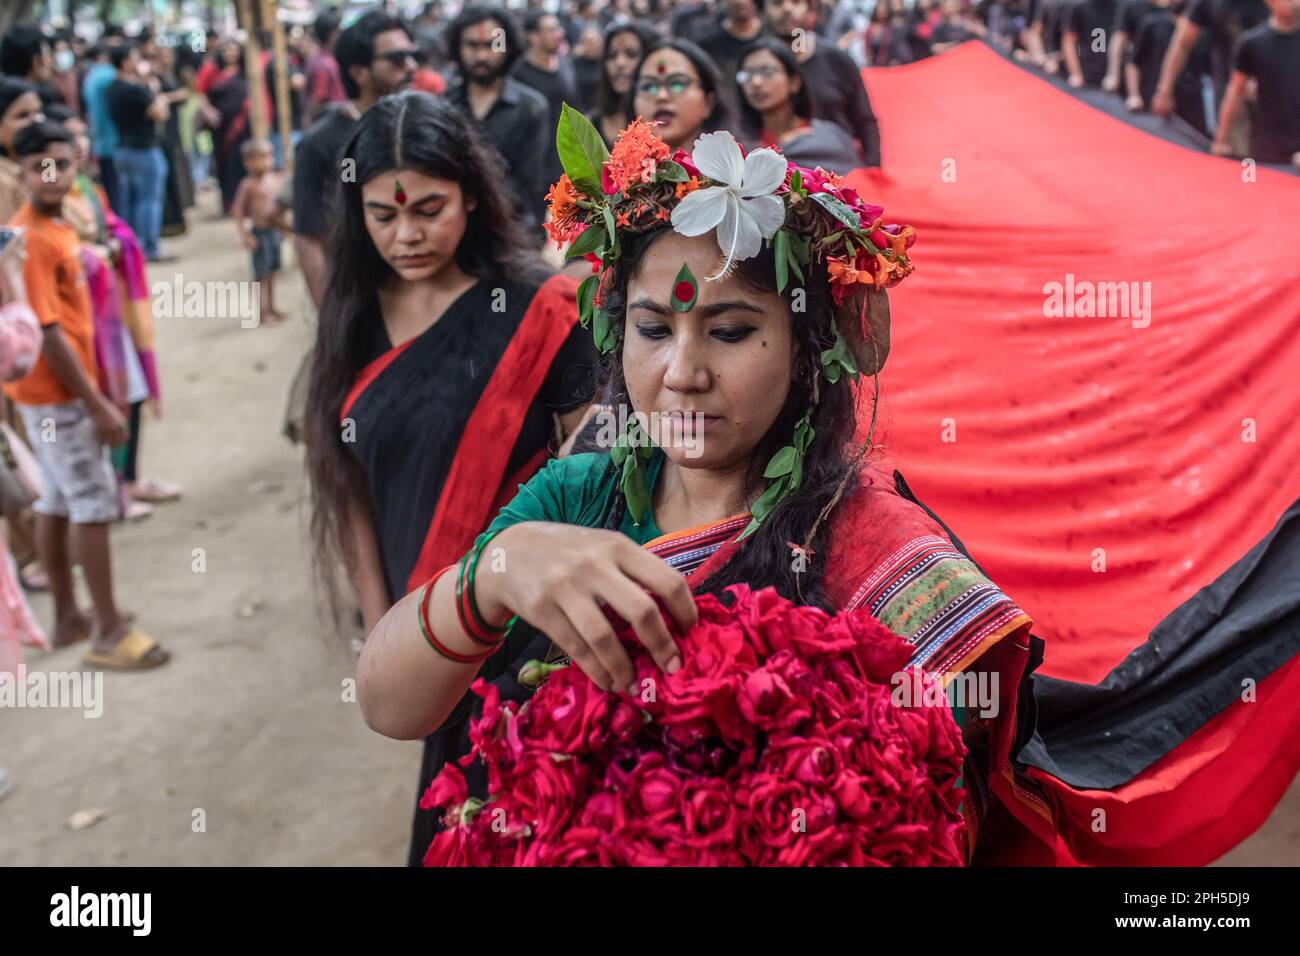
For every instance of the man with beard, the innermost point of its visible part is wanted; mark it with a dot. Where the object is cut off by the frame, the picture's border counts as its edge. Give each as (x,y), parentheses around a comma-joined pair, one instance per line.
(485,45)
(375,58)
(838,92)
(543,69)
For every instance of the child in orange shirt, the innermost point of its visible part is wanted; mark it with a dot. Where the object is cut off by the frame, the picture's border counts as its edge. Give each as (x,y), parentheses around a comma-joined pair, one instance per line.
(69,422)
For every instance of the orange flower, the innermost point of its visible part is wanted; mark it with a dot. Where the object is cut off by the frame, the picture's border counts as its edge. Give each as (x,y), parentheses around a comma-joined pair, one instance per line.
(683,189)
(622,219)
(635,156)
(563,199)
(898,243)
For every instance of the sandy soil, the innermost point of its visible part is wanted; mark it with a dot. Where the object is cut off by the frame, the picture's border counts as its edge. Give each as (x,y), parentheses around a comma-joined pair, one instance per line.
(248,722)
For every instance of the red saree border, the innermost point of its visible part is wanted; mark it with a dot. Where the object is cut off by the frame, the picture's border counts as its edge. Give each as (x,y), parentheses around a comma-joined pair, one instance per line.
(483,451)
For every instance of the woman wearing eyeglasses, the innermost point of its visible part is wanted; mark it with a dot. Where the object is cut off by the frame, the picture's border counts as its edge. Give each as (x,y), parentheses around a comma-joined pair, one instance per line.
(624,45)
(676,89)
(776,109)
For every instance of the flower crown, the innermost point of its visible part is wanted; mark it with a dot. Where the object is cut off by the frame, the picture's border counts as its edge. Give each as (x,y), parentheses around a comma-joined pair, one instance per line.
(806,215)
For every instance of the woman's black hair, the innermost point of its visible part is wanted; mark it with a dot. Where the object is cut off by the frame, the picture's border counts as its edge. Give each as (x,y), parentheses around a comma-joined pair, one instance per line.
(60,113)
(480,13)
(766,558)
(11,88)
(751,120)
(611,103)
(710,81)
(20,48)
(416,131)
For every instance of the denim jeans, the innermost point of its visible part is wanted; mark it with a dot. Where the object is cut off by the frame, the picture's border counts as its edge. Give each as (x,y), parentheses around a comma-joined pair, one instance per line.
(142,174)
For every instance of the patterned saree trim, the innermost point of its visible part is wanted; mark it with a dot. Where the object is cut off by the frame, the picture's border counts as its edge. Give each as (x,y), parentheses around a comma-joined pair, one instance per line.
(686,550)
(931,594)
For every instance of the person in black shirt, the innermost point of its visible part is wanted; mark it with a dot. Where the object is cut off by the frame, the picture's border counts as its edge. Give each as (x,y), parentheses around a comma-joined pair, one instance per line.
(485,45)
(1150,39)
(838,93)
(1119,51)
(541,68)
(1224,21)
(139,161)
(1269,55)
(375,57)
(588,64)
(1084,41)
(954,28)
(727,39)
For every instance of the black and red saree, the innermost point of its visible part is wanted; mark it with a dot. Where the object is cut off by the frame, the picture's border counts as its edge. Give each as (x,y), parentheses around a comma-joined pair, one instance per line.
(447,424)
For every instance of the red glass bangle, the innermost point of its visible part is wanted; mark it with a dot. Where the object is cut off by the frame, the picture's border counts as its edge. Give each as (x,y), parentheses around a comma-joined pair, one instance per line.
(427,630)
(466,612)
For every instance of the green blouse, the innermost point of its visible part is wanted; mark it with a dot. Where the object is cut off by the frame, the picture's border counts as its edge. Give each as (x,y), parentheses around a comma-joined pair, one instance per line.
(576,490)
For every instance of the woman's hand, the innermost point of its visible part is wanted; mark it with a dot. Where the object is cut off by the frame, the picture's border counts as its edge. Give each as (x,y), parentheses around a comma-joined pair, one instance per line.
(559,578)
(12,256)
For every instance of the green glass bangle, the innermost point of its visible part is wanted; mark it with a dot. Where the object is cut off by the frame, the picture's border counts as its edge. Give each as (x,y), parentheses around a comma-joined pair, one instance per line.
(478,628)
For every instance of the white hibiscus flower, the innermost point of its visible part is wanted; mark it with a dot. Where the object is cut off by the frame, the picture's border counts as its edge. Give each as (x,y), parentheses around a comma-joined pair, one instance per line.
(740,204)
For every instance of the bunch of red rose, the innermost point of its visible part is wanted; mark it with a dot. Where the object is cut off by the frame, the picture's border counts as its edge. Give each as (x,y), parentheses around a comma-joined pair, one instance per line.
(780,741)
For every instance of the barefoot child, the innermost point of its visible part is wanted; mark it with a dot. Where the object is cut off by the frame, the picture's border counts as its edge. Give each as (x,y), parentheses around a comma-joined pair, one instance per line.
(255,203)
(69,421)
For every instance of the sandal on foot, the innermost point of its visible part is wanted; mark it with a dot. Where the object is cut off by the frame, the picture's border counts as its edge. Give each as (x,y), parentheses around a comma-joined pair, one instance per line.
(155,491)
(128,654)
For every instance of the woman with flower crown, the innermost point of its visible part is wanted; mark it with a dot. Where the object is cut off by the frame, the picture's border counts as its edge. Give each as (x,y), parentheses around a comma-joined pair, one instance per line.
(740,302)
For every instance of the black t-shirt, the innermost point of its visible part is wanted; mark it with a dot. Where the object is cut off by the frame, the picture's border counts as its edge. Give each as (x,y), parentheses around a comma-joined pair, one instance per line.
(1225,21)
(127,103)
(517,124)
(1131,15)
(726,51)
(1084,19)
(557,87)
(317,172)
(945,32)
(840,96)
(295,97)
(1272,59)
(1151,38)
(725,48)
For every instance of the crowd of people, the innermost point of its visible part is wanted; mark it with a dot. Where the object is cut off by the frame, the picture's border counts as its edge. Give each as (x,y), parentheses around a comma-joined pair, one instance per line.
(449,365)
(1229,68)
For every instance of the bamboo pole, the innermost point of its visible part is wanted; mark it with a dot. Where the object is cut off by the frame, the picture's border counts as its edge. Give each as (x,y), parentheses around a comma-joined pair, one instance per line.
(253,70)
(283,106)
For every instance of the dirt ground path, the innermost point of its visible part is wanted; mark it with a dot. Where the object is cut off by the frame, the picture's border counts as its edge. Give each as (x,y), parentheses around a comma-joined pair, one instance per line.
(247,723)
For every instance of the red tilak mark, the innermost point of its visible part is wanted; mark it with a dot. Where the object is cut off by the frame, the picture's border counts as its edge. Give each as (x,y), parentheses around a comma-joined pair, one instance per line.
(662,68)
(399,194)
(683,291)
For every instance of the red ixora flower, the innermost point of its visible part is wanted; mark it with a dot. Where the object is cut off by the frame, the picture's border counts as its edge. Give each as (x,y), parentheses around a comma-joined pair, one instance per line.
(778,742)
(634,158)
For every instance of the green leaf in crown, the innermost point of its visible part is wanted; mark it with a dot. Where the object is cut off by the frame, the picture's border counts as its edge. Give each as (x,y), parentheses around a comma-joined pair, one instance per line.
(582,150)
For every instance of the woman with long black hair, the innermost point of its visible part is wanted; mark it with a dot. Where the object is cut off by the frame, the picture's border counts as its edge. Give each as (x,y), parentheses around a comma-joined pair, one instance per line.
(622,50)
(446,365)
(776,109)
